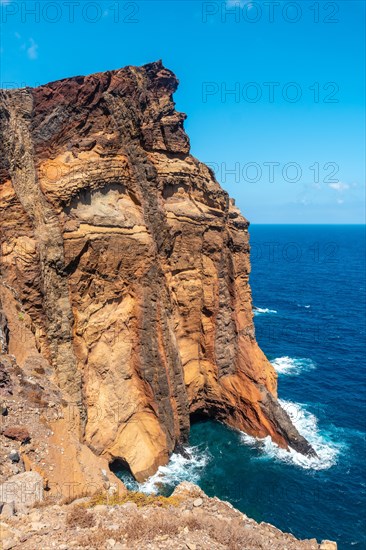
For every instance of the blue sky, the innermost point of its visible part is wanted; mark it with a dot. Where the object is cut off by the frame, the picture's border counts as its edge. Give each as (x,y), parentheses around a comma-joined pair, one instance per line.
(287,143)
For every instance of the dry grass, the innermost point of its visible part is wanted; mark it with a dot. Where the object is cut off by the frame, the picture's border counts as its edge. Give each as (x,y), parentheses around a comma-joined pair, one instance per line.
(157,516)
(80,517)
(97,539)
(72,498)
(232,535)
(139,527)
(43,503)
(140,499)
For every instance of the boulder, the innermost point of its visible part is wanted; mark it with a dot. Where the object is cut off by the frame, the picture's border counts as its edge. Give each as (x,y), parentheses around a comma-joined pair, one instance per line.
(7,510)
(188,489)
(22,489)
(14,456)
(18,433)
(328,545)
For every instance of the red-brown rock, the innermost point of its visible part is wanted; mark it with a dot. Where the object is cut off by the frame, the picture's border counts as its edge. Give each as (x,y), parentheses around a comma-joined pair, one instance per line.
(132,266)
(18,433)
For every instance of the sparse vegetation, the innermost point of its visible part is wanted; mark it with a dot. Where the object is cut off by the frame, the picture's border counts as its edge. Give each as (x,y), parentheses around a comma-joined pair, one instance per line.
(139,527)
(140,499)
(72,498)
(143,528)
(80,517)
(43,503)
(137,521)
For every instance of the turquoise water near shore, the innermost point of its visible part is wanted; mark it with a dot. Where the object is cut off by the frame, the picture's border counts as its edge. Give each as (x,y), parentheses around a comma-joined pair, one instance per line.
(308,285)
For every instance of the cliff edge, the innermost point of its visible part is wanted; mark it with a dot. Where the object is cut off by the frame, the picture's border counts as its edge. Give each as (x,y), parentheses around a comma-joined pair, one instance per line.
(124,272)
(189,519)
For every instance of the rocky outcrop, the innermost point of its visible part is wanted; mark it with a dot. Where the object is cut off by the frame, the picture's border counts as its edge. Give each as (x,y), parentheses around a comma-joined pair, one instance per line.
(23,490)
(129,266)
(188,519)
(39,430)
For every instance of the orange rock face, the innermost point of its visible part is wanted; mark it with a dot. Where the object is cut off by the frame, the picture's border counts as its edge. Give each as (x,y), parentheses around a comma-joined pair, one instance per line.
(132,264)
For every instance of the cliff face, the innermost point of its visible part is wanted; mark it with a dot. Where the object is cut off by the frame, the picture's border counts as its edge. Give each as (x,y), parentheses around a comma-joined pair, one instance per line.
(129,265)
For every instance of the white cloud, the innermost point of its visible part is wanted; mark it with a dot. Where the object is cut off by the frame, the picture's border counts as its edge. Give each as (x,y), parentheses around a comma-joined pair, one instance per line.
(339,186)
(340,201)
(32,50)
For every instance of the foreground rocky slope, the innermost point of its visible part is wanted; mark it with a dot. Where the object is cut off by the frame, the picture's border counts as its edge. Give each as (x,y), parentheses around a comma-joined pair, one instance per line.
(187,520)
(124,275)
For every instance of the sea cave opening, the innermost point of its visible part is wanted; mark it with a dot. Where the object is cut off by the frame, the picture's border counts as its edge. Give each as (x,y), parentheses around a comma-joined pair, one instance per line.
(120,468)
(206,414)
(199,416)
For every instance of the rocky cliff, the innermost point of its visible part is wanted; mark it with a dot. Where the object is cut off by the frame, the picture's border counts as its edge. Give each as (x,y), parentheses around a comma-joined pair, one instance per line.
(124,271)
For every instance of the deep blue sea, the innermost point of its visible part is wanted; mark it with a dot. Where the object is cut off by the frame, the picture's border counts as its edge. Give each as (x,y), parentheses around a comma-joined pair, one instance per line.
(308,283)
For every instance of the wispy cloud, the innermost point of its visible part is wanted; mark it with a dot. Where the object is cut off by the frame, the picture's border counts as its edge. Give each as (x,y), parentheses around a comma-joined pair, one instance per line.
(32,50)
(339,186)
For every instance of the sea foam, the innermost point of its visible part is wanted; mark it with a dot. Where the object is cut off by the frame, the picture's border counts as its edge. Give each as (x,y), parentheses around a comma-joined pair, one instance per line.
(180,468)
(292,366)
(261,311)
(307,425)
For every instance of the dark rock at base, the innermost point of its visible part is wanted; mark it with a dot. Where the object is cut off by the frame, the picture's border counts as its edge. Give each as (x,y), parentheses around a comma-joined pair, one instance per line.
(180,449)
(285,426)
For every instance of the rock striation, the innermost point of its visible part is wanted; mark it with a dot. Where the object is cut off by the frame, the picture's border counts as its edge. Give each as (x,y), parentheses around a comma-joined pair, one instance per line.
(124,270)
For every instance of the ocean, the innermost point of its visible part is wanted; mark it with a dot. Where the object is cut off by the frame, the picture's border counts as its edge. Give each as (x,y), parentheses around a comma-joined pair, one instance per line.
(308,285)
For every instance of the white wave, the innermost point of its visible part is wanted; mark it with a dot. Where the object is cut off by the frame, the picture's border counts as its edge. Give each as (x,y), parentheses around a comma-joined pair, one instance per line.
(292,366)
(306,307)
(261,311)
(307,425)
(179,468)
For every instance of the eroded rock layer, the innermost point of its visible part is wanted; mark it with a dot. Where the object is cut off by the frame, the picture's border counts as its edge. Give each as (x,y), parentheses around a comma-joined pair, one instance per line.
(131,265)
